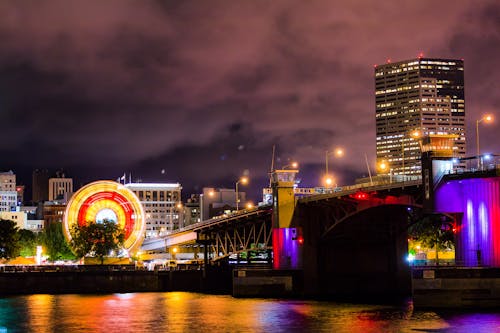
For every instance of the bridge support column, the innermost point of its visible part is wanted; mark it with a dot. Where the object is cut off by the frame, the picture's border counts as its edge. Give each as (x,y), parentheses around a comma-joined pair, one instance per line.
(287,241)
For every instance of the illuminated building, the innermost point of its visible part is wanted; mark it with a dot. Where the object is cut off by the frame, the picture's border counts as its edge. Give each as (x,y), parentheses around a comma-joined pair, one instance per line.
(20,194)
(22,220)
(192,211)
(60,188)
(217,201)
(52,212)
(160,202)
(7,181)
(107,200)
(475,203)
(424,95)
(8,194)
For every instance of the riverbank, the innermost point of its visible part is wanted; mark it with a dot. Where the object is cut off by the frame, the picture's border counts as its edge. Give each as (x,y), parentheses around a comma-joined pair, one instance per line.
(456,287)
(109,279)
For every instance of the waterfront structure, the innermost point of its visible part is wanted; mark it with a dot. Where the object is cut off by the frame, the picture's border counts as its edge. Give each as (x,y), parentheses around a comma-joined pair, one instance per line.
(107,200)
(217,201)
(40,185)
(162,206)
(414,99)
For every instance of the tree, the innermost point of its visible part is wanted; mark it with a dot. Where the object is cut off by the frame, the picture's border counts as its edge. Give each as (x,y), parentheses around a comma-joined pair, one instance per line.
(54,243)
(433,231)
(27,242)
(9,239)
(98,239)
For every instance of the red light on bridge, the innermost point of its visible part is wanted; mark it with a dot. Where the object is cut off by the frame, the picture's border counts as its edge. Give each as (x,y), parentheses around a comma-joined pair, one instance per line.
(360,196)
(300,240)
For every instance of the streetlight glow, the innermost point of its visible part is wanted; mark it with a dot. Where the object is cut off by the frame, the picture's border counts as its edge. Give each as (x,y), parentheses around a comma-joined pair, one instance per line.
(328,181)
(244,181)
(488,118)
(338,152)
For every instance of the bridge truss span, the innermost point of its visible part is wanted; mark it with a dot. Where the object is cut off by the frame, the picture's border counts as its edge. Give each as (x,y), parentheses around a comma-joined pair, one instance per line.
(251,232)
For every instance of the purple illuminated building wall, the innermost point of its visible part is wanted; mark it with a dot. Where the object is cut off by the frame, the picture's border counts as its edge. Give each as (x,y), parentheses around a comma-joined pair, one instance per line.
(287,248)
(477,202)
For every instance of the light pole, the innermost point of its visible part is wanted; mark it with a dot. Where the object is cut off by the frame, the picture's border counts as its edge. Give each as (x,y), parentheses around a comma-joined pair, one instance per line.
(244,181)
(293,165)
(384,166)
(488,119)
(339,152)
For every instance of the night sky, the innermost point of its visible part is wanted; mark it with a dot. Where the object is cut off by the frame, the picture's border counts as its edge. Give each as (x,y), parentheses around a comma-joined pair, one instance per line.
(198,92)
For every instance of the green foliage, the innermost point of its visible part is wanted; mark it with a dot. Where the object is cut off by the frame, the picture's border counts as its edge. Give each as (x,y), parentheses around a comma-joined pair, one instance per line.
(54,243)
(28,241)
(9,239)
(98,239)
(433,231)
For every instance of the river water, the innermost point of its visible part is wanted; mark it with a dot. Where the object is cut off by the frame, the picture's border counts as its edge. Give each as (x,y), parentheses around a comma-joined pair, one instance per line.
(192,312)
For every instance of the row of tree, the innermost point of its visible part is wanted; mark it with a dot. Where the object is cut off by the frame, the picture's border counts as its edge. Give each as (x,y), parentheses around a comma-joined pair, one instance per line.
(95,239)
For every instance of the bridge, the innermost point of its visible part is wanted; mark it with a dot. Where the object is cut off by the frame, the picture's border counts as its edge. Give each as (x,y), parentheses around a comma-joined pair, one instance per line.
(251,229)
(221,236)
(354,240)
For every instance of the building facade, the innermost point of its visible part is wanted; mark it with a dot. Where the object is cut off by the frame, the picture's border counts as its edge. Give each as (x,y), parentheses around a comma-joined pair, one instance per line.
(40,185)
(8,193)
(52,212)
(414,99)
(216,201)
(192,210)
(162,206)
(60,188)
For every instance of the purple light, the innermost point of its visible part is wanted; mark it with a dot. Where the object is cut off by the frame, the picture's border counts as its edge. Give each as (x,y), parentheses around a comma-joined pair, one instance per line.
(478,237)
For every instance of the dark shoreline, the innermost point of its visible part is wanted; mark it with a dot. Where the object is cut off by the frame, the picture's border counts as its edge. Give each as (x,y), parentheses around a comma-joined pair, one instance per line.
(23,280)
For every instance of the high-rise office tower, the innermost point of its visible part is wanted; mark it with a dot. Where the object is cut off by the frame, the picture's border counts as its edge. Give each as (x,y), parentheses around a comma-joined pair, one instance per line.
(414,99)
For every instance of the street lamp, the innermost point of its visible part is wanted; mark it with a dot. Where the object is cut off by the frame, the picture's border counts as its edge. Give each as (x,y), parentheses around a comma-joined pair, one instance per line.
(244,181)
(293,165)
(487,119)
(384,167)
(338,152)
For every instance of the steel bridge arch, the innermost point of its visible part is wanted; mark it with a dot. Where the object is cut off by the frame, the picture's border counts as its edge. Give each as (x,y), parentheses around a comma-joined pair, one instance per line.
(242,236)
(360,211)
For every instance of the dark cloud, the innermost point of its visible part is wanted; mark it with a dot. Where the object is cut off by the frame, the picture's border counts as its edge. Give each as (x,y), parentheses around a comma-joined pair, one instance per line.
(204,89)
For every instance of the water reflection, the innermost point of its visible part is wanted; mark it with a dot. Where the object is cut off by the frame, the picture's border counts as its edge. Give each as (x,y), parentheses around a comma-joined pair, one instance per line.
(191,312)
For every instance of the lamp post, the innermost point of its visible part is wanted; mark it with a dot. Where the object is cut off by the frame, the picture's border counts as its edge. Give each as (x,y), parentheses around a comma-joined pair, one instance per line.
(293,165)
(339,152)
(384,166)
(244,181)
(487,119)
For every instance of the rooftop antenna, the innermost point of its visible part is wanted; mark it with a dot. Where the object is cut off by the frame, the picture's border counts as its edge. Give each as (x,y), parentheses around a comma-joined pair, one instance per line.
(272,166)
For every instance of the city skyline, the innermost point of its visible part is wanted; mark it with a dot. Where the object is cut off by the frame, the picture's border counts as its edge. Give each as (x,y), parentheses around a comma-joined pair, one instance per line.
(198,93)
